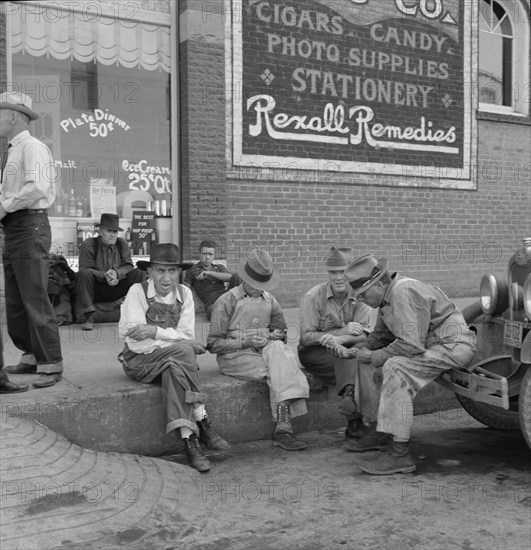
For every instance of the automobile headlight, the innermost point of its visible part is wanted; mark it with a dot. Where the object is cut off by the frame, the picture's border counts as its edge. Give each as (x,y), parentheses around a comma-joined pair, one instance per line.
(493,294)
(527,296)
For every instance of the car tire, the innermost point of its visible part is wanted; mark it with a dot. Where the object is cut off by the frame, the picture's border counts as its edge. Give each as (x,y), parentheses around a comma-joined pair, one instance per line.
(524,406)
(491,416)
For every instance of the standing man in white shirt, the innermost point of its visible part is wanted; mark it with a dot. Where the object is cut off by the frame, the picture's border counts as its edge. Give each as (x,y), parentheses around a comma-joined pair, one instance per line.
(28,190)
(157,320)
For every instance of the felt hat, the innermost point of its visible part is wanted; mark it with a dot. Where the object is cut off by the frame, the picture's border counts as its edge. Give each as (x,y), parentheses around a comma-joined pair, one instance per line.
(363,272)
(110,221)
(339,258)
(257,270)
(17,101)
(165,254)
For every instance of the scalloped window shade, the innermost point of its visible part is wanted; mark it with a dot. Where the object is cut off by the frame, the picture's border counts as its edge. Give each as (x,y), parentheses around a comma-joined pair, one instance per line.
(109,41)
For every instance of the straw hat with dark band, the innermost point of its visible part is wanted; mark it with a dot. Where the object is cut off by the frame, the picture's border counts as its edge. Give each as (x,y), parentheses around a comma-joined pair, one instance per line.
(17,101)
(257,270)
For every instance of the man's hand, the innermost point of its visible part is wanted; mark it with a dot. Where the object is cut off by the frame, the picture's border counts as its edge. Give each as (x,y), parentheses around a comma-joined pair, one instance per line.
(256,342)
(337,350)
(198,347)
(111,276)
(355,329)
(141,332)
(277,334)
(329,340)
(205,275)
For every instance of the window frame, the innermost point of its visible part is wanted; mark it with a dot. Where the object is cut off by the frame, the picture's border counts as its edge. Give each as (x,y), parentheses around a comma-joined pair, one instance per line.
(518,16)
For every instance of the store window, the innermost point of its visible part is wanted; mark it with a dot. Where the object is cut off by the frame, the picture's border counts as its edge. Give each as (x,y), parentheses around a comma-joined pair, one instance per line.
(503,57)
(101,84)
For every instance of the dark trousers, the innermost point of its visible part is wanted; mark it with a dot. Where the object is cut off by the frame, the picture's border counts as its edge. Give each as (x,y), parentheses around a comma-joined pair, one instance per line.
(90,291)
(3,375)
(332,370)
(31,322)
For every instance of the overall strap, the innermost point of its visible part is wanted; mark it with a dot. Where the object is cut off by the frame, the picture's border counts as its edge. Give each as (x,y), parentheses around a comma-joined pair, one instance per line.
(145,288)
(178,292)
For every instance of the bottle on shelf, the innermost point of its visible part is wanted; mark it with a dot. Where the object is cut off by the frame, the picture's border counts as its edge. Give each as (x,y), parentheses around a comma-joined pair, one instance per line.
(58,204)
(79,208)
(72,210)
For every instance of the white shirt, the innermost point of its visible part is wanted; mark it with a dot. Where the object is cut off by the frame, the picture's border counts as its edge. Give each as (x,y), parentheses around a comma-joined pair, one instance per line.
(29,177)
(133,313)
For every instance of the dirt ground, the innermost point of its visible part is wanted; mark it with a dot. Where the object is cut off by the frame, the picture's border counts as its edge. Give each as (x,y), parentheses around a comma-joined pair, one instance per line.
(471,490)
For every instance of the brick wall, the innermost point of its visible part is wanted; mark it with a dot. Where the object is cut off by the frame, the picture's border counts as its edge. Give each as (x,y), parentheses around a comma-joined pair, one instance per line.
(448,237)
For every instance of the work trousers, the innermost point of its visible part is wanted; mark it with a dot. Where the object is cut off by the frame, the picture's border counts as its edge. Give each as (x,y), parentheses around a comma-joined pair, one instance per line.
(176,368)
(276,365)
(332,370)
(342,372)
(31,322)
(404,377)
(89,291)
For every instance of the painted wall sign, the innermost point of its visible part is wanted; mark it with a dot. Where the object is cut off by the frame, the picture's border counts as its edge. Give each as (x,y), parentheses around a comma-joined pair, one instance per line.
(378,86)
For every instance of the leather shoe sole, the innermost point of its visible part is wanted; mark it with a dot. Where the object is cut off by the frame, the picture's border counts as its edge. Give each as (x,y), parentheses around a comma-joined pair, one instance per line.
(11,387)
(288,441)
(46,380)
(21,368)
(370,442)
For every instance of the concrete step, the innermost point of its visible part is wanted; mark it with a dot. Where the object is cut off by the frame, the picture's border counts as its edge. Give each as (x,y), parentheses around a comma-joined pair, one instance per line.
(97,407)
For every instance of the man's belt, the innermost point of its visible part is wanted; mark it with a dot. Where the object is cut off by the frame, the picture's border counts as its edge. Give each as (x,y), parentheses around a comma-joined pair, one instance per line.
(26,211)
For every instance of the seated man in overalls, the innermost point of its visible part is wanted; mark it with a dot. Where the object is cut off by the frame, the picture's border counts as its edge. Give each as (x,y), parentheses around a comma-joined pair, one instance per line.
(247,332)
(158,322)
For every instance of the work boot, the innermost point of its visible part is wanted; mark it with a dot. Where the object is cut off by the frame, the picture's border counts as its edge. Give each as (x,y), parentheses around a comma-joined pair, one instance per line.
(11,387)
(355,429)
(397,460)
(348,404)
(210,438)
(370,441)
(47,380)
(21,368)
(88,323)
(195,454)
(283,435)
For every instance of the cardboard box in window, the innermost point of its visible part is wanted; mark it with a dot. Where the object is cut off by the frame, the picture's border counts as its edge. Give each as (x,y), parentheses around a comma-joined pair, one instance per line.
(85,231)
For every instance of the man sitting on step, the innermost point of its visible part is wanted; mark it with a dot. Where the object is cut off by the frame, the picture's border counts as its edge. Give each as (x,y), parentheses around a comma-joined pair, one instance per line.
(247,331)
(329,315)
(158,322)
(419,334)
